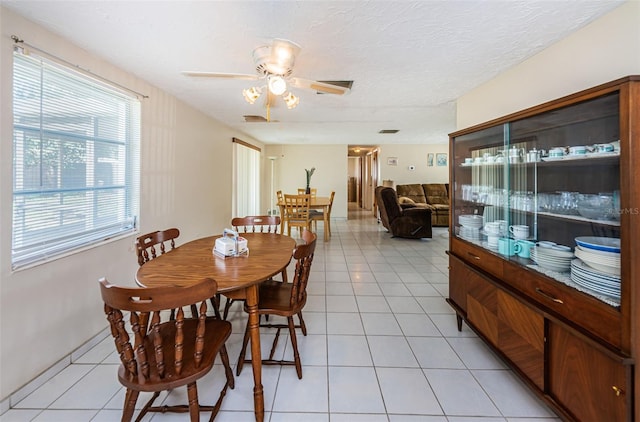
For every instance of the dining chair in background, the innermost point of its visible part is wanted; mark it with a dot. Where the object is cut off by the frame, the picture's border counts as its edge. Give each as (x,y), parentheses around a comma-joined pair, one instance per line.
(319,215)
(312,191)
(285,300)
(296,212)
(254,224)
(171,353)
(150,245)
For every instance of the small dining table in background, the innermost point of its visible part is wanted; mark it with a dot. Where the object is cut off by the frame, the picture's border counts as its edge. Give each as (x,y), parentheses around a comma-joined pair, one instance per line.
(317,203)
(237,278)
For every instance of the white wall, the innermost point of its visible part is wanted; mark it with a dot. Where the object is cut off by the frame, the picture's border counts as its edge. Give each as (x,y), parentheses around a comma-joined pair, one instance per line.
(49,310)
(415,155)
(330,162)
(605,50)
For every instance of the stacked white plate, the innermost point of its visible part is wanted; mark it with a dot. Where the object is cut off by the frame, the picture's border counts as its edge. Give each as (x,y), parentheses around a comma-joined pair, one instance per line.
(604,284)
(552,259)
(471,220)
(470,225)
(602,261)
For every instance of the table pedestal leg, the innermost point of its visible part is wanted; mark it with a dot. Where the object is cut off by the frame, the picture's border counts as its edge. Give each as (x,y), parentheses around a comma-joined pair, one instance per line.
(256,354)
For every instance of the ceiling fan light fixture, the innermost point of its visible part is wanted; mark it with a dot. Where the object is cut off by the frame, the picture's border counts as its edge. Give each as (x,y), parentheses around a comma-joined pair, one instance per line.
(282,57)
(251,94)
(277,85)
(291,100)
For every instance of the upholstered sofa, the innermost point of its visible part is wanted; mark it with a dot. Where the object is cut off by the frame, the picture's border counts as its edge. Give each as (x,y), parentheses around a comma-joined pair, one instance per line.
(414,223)
(434,196)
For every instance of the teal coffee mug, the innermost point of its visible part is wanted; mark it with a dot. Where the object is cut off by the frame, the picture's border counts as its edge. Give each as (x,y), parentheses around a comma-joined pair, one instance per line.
(524,248)
(507,246)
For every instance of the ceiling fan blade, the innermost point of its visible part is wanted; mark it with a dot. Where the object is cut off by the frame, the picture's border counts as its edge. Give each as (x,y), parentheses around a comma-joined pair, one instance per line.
(254,119)
(319,86)
(221,75)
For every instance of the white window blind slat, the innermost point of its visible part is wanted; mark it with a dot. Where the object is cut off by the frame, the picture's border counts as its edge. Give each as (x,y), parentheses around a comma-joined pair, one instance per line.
(75,160)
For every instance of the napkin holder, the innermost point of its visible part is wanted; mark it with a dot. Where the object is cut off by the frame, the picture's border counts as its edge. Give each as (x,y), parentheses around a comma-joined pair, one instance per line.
(230,244)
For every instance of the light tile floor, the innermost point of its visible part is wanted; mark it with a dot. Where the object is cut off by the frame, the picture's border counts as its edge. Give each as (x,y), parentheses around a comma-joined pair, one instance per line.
(382,345)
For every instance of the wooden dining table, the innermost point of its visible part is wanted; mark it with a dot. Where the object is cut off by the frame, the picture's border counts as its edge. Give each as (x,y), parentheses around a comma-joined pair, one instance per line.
(322,203)
(237,278)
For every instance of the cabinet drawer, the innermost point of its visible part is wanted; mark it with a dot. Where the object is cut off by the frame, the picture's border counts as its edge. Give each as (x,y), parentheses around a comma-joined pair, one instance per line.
(478,257)
(597,318)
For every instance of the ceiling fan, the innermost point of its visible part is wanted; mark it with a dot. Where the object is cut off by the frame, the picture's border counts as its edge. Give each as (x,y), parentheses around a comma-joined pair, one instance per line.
(274,66)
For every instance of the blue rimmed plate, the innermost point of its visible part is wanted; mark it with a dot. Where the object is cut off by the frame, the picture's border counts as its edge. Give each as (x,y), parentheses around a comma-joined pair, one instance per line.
(606,244)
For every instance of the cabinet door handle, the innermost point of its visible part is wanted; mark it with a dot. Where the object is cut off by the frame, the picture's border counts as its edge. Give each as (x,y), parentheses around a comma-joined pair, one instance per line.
(476,257)
(619,392)
(548,296)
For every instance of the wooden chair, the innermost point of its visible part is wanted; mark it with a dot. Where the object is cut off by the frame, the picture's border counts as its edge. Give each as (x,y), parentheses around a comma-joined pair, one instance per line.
(313,192)
(285,300)
(254,224)
(319,215)
(150,245)
(296,209)
(171,353)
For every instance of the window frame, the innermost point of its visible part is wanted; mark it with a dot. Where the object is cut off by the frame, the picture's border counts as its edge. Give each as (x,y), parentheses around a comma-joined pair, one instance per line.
(109,151)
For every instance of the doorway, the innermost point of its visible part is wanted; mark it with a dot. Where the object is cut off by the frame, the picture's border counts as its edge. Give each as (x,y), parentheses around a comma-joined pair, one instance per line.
(362,179)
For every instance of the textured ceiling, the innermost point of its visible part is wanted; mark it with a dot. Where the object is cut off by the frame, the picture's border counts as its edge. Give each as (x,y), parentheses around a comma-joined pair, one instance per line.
(409,60)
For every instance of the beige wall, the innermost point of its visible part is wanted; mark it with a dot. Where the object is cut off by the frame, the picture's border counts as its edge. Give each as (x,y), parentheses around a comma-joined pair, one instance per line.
(48,311)
(330,162)
(605,50)
(333,169)
(415,155)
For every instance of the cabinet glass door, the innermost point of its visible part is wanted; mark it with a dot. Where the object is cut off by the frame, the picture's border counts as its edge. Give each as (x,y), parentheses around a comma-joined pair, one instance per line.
(479,182)
(543,192)
(575,185)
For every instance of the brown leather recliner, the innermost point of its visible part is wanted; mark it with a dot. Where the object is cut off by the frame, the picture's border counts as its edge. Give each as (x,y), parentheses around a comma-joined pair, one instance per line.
(414,223)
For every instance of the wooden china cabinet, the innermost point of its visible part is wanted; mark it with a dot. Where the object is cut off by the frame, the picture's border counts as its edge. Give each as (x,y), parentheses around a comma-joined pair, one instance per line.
(568,172)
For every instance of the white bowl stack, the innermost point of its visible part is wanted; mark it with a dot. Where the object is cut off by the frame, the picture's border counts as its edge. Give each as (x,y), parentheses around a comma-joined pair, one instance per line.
(470,225)
(598,265)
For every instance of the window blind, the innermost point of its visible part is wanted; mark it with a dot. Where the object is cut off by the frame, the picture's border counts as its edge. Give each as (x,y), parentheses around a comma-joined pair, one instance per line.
(75,161)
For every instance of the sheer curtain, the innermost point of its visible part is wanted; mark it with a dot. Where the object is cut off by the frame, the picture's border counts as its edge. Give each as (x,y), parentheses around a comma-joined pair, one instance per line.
(247,179)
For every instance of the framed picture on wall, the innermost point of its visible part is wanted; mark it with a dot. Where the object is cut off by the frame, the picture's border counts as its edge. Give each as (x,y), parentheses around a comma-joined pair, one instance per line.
(392,161)
(441,159)
(430,159)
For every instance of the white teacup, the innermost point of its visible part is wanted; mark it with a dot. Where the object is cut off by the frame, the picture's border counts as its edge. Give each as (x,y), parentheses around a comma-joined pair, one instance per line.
(519,231)
(578,150)
(492,228)
(478,160)
(504,228)
(489,159)
(556,152)
(604,148)
(468,160)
